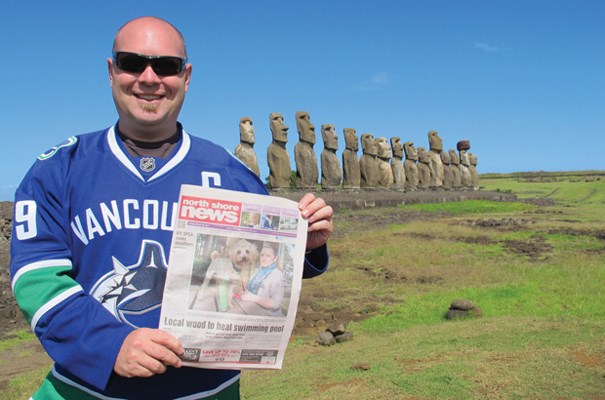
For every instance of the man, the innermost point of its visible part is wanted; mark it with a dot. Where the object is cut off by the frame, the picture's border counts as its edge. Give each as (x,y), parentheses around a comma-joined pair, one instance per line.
(92,228)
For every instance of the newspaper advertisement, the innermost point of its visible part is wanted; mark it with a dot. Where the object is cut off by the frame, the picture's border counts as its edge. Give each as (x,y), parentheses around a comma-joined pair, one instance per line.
(234,278)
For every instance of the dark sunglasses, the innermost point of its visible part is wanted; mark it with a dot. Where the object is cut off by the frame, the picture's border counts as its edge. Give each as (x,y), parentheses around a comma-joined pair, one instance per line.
(136,63)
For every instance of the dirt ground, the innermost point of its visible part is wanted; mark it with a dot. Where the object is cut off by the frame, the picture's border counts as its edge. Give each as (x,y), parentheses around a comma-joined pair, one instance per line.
(312,312)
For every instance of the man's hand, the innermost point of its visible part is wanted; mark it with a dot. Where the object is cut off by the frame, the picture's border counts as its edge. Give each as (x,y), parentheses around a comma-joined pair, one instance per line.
(147,352)
(319,216)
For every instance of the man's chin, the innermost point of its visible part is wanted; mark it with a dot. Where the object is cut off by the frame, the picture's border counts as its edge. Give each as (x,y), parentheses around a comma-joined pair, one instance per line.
(150,108)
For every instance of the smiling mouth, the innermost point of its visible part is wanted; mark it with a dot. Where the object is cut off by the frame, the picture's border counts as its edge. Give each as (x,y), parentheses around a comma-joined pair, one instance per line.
(148,97)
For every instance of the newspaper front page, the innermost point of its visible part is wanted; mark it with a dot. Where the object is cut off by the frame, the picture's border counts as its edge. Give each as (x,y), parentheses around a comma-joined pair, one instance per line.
(234,278)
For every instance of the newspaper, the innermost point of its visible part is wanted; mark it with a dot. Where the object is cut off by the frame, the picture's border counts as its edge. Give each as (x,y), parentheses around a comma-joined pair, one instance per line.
(234,278)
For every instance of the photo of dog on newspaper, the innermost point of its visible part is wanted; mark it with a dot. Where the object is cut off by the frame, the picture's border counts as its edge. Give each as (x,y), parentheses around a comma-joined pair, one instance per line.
(241,276)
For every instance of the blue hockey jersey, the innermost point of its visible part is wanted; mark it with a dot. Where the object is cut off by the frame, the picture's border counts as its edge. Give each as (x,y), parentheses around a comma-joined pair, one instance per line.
(91,237)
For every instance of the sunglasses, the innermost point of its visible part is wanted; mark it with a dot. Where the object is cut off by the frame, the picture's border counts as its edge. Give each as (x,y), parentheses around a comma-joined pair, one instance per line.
(136,63)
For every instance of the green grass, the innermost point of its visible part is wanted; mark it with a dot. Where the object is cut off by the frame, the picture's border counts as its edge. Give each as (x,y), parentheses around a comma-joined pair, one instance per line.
(15,340)
(24,385)
(567,189)
(542,333)
(471,207)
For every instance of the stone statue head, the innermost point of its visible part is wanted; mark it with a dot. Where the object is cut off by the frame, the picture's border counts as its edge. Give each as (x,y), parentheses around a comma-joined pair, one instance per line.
(384,149)
(351,139)
(464,159)
(306,130)
(454,157)
(368,144)
(397,147)
(435,142)
(445,158)
(410,151)
(329,136)
(423,156)
(472,159)
(279,130)
(246,130)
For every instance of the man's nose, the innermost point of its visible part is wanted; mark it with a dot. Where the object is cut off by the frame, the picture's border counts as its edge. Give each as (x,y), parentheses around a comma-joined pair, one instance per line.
(148,75)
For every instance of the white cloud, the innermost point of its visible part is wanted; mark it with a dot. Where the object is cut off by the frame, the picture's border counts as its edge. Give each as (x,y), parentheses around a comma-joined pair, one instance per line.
(380,78)
(377,81)
(487,48)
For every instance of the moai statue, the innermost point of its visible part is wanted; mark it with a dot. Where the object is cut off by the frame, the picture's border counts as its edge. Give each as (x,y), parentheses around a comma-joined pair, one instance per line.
(385,174)
(410,166)
(424,169)
(435,149)
(455,166)
(350,162)
(397,164)
(331,174)
(304,156)
(473,170)
(448,174)
(367,164)
(277,156)
(465,173)
(245,149)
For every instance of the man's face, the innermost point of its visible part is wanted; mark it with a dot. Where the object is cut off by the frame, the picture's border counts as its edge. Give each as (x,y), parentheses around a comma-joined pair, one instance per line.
(148,104)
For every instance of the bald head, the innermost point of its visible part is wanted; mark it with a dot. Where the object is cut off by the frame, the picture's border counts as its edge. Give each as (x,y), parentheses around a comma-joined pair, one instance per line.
(140,27)
(148,103)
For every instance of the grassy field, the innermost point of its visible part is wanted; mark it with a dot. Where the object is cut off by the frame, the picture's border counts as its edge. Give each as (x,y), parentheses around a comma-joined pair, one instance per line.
(535,268)
(537,272)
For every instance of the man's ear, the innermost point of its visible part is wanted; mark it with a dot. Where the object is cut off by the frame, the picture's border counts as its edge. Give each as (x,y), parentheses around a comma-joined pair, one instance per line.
(110,70)
(188,70)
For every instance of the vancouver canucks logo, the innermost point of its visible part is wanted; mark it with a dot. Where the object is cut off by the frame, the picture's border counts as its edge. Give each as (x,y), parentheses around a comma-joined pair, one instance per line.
(133,293)
(69,142)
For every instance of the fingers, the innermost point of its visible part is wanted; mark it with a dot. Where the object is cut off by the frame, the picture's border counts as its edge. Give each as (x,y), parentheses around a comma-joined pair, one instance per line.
(314,208)
(167,341)
(307,199)
(319,217)
(146,352)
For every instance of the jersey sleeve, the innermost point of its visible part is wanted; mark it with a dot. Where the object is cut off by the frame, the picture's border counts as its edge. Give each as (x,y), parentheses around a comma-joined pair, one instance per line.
(77,332)
(316,262)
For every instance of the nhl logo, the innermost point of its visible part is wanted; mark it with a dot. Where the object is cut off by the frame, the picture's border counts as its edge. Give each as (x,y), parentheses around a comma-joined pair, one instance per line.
(147,164)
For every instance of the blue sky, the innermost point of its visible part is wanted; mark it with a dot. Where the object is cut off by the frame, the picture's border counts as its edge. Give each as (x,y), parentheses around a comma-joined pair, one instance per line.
(524,81)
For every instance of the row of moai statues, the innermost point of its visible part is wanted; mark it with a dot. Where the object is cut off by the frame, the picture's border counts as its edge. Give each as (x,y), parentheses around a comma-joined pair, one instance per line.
(381,165)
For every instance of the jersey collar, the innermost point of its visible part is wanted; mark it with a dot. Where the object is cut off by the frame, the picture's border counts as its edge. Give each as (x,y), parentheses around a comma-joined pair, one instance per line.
(112,141)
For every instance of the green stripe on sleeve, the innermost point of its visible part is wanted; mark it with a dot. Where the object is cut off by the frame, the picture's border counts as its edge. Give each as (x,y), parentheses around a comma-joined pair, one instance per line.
(38,287)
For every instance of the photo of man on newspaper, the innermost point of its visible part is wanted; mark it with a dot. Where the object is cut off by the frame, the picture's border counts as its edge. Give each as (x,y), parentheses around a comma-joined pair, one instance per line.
(241,276)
